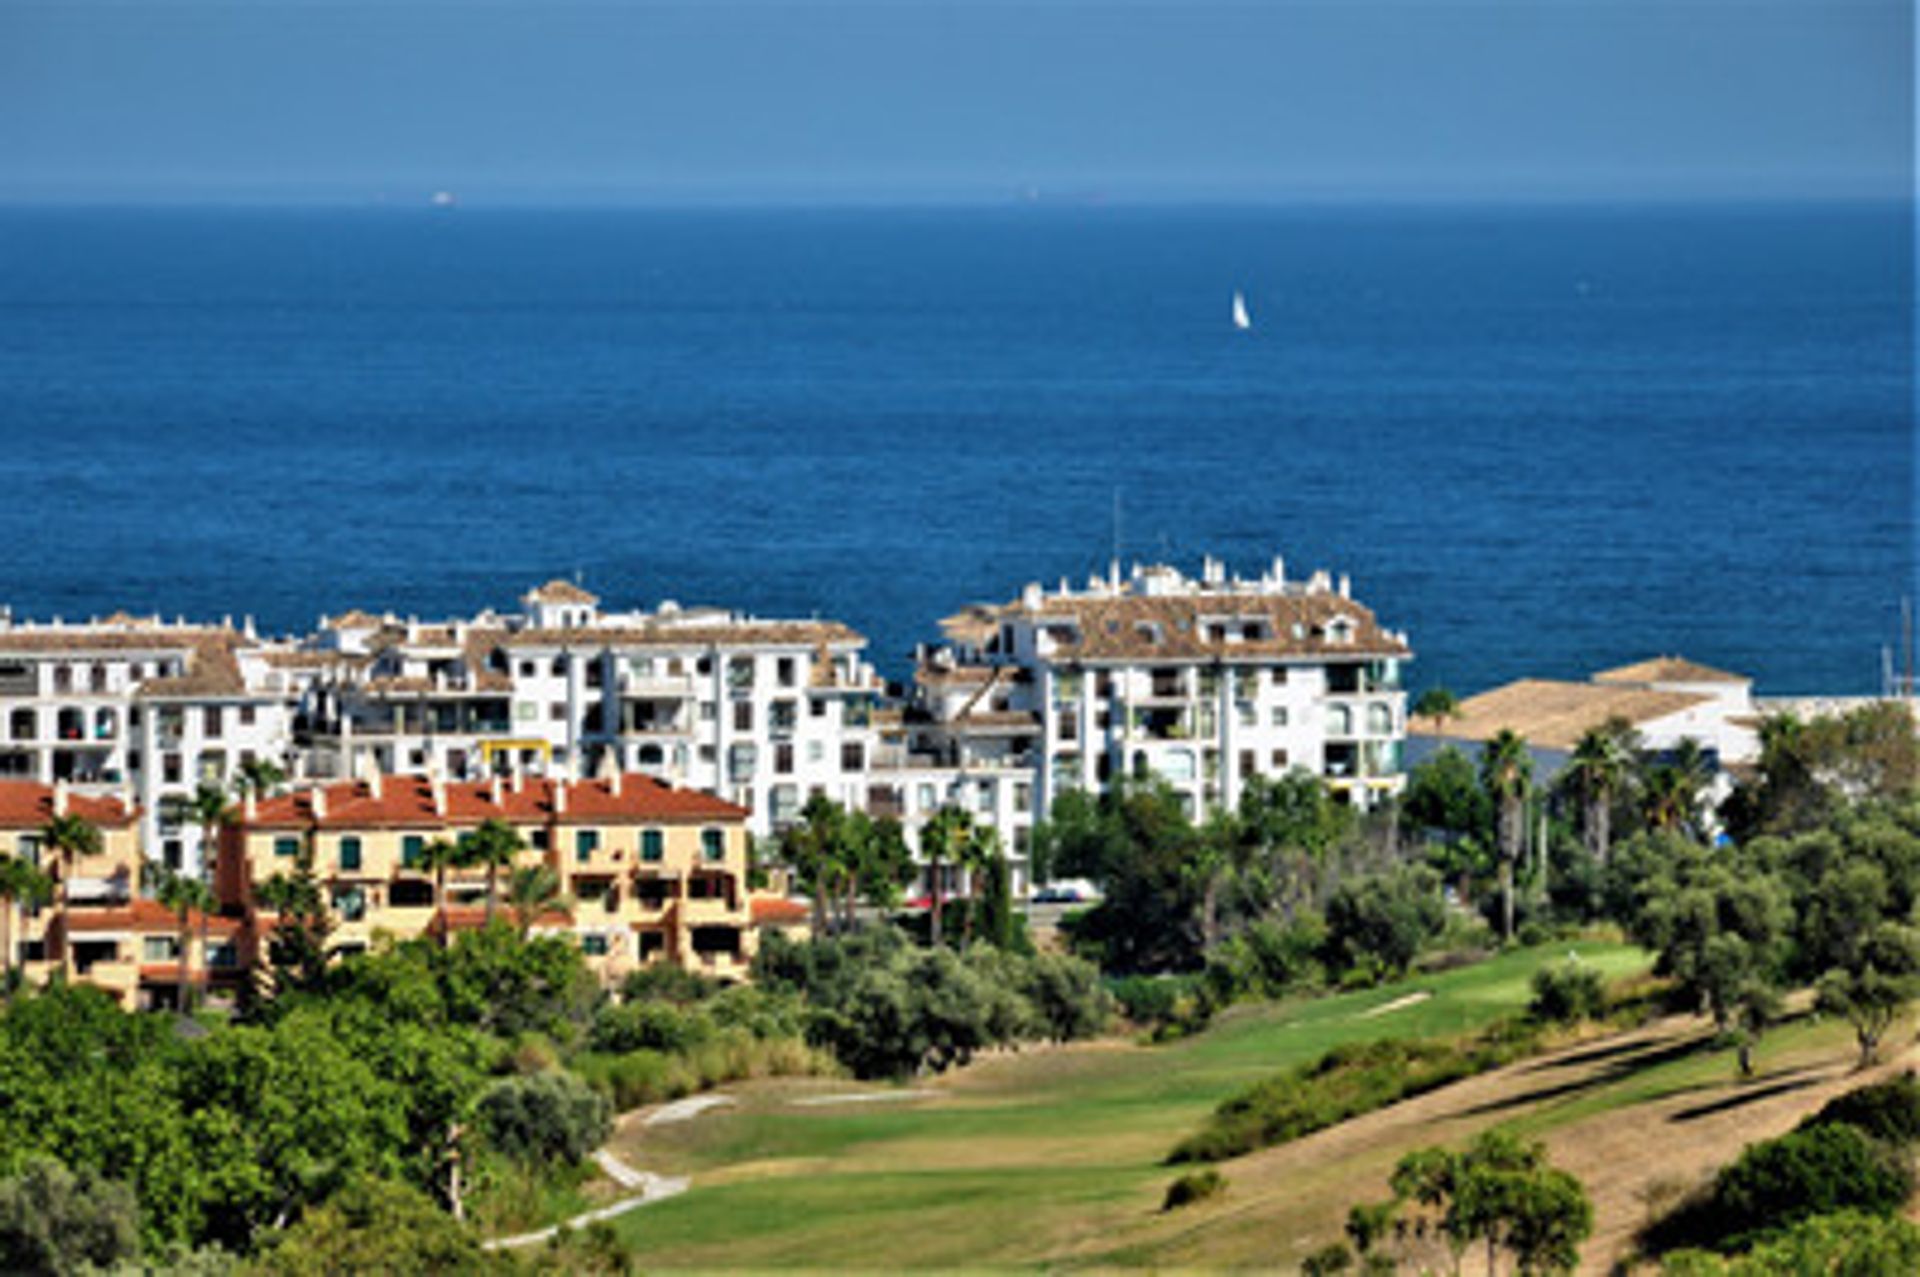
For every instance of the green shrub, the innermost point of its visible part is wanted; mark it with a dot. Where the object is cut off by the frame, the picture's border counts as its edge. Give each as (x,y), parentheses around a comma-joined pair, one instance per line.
(1194,1186)
(1344,1083)
(1568,992)
(1888,1111)
(548,1117)
(665,982)
(1816,1171)
(55,1221)
(649,1026)
(1847,1244)
(1334,1257)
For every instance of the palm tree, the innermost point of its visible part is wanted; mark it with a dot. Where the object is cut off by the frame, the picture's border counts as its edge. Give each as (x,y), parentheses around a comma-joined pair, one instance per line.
(20,883)
(68,837)
(944,837)
(1438,704)
(1506,770)
(817,849)
(494,845)
(532,891)
(259,777)
(208,807)
(1597,769)
(440,855)
(975,858)
(184,895)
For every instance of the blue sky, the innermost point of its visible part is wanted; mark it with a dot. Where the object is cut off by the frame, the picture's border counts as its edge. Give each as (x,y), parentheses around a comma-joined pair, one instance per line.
(547,100)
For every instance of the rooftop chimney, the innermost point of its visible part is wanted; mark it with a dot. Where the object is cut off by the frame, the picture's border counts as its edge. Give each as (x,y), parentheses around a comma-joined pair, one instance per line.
(249,807)
(376,784)
(496,790)
(560,796)
(438,788)
(318,799)
(59,797)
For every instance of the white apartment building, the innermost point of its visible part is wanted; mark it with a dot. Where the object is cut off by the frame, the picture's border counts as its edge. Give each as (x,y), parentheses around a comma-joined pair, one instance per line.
(1202,683)
(762,712)
(139,707)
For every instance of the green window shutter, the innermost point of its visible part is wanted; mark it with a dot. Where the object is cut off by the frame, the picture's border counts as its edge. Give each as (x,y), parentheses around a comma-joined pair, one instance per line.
(349,853)
(585,843)
(713,844)
(412,851)
(286,846)
(653,845)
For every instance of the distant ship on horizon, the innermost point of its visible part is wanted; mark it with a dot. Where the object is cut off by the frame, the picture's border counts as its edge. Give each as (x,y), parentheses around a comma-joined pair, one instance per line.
(1241,319)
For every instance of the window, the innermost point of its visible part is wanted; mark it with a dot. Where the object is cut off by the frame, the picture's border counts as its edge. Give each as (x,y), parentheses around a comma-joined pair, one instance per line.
(853,757)
(1279,760)
(223,955)
(1022,796)
(816,751)
(1379,720)
(24,724)
(924,799)
(1247,764)
(743,716)
(350,903)
(713,844)
(783,759)
(1178,765)
(585,843)
(593,945)
(97,678)
(210,722)
(286,846)
(653,845)
(741,760)
(784,803)
(1339,721)
(1246,713)
(740,673)
(170,768)
(559,667)
(160,949)
(984,799)
(349,853)
(782,715)
(557,711)
(1278,675)
(1279,716)
(783,671)
(537,839)
(246,715)
(413,850)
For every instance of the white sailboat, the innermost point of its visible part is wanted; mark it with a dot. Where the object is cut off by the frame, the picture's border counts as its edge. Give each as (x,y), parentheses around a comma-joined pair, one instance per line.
(1241,320)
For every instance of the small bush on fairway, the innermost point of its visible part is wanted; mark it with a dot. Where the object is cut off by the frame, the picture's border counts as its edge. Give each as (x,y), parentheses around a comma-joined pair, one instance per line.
(1567,992)
(1194,1186)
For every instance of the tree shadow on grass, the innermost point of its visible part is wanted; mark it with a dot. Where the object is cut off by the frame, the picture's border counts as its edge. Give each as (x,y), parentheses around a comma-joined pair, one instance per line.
(1619,1067)
(1779,1084)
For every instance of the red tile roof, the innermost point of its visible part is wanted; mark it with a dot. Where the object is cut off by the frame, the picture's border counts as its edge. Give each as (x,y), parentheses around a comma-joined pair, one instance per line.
(28,804)
(409,801)
(473,917)
(559,591)
(773,911)
(146,915)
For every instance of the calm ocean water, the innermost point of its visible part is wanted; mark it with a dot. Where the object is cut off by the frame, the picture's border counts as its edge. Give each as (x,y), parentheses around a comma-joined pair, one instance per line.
(1541,441)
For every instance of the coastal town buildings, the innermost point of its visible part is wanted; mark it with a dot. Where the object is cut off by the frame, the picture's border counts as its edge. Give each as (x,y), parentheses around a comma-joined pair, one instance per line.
(642,871)
(1666,700)
(1201,682)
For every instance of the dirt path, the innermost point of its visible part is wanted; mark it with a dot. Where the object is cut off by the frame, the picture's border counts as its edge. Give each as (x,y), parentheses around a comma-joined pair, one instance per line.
(1286,1202)
(652,1188)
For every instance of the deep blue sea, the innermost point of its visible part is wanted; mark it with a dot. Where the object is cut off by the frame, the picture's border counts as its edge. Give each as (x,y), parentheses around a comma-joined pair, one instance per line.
(1541,440)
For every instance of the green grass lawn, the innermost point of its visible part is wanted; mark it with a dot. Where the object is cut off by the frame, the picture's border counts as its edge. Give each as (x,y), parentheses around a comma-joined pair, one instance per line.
(1018,1159)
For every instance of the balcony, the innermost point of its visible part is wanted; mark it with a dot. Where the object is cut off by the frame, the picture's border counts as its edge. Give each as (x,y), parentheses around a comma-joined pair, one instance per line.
(656,686)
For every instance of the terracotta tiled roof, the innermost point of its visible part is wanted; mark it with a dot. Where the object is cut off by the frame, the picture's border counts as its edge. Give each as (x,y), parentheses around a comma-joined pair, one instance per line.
(743,634)
(559,591)
(408,801)
(28,804)
(1554,715)
(953,676)
(30,639)
(1667,669)
(356,619)
(776,912)
(147,916)
(1177,627)
(472,917)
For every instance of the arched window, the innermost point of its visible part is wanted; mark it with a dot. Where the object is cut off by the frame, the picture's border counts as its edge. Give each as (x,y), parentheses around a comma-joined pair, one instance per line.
(104,724)
(1379,720)
(1339,721)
